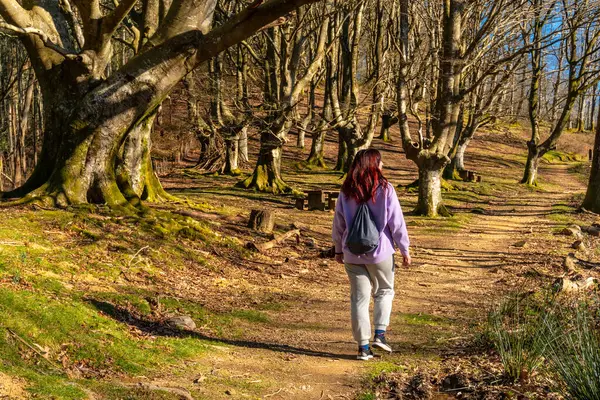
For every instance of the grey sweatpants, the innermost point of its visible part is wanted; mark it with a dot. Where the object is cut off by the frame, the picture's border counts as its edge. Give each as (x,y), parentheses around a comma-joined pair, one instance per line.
(367,279)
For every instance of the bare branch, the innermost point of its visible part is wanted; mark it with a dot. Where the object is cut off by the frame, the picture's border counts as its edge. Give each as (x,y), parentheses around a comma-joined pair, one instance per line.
(14,14)
(111,22)
(244,24)
(38,32)
(68,10)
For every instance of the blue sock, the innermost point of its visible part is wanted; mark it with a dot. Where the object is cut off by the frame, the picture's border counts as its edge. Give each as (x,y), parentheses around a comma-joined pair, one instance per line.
(379,332)
(364,347)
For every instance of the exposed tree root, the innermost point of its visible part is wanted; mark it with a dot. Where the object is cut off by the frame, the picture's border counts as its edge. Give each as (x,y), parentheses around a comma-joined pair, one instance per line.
(182,393)
(442,211)
(316,161)
(262,182)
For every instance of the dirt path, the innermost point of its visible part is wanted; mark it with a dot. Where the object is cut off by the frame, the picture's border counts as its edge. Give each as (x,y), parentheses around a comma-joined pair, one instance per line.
(306,352)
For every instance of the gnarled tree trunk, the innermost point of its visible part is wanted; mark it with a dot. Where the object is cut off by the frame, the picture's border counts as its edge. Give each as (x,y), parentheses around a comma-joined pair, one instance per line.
(387,121)
(89,118)
(592,196)
(267,173)
(134,166)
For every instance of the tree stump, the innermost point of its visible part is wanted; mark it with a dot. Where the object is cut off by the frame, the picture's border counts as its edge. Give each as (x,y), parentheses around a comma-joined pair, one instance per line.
(331,203)
(315,200)
(262,220)
(300,203)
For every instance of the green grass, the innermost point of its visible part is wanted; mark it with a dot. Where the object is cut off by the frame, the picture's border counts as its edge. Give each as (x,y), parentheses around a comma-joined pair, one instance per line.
(76,333)
(573,348)
(251,316)
(517,330)
(367,396)
(423,320)
(377,368)
(61,282)
(449,224)
(565,215)
(555,156)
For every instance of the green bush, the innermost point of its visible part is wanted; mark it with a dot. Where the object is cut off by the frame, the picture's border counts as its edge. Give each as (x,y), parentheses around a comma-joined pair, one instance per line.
(573,350)
(515,328)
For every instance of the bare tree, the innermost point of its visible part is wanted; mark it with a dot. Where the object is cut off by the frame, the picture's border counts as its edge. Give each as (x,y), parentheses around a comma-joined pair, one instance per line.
(459,51)
(283,98)
(581,35)
(87,114)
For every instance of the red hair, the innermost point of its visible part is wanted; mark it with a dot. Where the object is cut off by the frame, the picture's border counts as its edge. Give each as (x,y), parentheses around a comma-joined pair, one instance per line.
(364,177)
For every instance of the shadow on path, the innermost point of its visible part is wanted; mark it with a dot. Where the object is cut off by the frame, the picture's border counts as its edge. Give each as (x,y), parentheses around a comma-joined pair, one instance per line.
(158,329)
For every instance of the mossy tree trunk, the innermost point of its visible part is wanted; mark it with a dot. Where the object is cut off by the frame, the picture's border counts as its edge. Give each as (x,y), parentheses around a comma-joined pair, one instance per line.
(243,145)
(316,157)
(134,165)
(354,141)
(457,154)
(387,121)
(232,150)
(89,117)
(532,164)
(430,190)
(344,93)
(267,172)
(459,158)
(432,157)
(592,196)
(342,156)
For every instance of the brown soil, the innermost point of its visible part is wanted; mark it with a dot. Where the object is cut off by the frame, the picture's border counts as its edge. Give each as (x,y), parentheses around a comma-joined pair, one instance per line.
(295,340)
(306,351)
(11,388)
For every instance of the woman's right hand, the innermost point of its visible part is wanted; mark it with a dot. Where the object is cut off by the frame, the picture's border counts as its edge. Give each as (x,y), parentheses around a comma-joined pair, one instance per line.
(406,260)
(339,258)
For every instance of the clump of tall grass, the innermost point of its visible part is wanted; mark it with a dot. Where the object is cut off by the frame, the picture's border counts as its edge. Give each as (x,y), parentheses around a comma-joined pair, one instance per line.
(573,350)
(516,329)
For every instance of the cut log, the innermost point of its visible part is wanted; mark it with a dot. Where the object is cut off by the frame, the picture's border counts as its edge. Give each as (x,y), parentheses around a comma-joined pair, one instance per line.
(262,220)
(300,201)
(567,285)
(593,230)
(278,240)
(315,200)
(331,203)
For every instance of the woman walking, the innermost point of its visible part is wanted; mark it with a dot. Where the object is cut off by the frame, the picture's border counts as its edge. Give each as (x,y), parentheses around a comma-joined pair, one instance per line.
(368,222)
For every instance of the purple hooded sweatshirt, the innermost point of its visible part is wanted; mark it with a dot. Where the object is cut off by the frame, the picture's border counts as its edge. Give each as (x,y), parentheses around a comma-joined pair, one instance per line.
(388,217)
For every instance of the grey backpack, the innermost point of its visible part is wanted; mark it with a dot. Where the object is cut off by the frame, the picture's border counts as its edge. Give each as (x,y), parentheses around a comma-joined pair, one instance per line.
(363,236)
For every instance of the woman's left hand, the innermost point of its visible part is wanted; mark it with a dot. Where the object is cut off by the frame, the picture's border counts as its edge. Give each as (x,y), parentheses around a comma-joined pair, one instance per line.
(339,258)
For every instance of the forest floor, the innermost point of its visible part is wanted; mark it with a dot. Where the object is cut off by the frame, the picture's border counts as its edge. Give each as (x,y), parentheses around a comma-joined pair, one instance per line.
(85,294)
